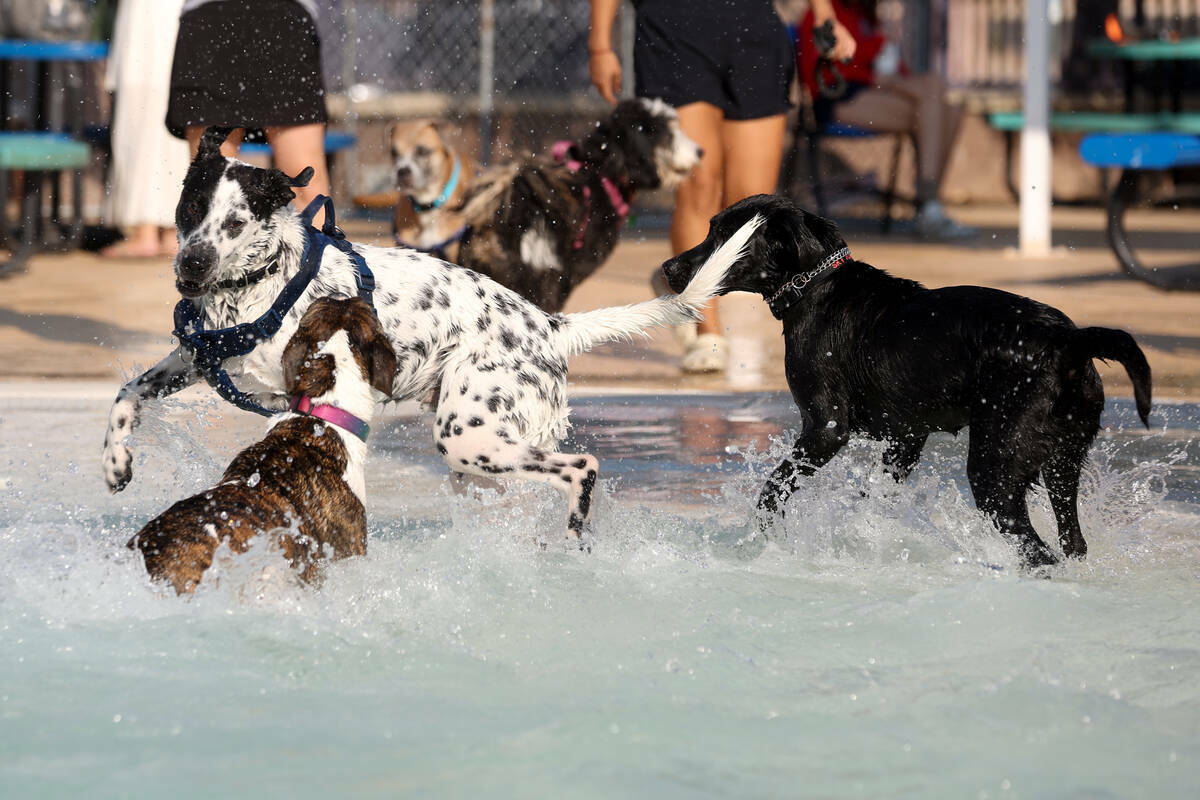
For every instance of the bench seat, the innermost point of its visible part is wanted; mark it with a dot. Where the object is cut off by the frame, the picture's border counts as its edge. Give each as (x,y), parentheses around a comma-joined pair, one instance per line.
(335,142)
(1135,153)
(1151,150)
(42,151)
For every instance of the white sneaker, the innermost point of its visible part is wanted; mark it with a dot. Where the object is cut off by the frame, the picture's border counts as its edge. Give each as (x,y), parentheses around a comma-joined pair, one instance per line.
(709,352)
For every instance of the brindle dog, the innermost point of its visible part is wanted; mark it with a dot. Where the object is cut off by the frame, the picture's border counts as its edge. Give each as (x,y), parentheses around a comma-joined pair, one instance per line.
(302,485)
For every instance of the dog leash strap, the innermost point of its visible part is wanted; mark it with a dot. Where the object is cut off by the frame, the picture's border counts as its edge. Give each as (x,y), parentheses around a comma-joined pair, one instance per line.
(331,414)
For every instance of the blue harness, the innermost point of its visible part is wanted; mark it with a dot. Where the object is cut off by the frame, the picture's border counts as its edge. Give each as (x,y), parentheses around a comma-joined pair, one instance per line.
(210,348)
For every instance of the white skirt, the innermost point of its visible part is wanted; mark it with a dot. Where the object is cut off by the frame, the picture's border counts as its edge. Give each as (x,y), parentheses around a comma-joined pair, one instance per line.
(148,163)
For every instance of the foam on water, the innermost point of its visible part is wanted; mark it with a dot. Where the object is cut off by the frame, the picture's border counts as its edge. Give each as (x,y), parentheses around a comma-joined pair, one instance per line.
(882,643)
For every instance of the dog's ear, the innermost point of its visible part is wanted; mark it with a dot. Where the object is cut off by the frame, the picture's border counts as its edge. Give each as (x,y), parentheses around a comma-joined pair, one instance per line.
(383,365)
(800,239)
(304,372)
(371,341)
(294,355)
(268,190)
(303,178)
(211,141)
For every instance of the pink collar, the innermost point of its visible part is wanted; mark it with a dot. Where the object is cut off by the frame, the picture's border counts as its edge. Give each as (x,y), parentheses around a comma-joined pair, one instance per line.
(331,414)
(562,154)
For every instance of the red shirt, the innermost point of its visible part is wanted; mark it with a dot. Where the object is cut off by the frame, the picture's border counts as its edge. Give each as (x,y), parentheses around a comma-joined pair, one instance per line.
(860,69)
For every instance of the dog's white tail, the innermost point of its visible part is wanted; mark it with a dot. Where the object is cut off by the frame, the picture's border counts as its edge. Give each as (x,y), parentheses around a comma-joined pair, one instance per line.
(586,329)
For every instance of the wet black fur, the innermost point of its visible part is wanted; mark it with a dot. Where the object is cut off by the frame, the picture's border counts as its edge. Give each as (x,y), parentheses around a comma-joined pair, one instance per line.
(548,194)
(873,355)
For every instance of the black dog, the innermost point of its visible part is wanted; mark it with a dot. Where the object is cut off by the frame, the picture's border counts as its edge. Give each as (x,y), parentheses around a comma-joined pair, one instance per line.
(886,358)
(541,227)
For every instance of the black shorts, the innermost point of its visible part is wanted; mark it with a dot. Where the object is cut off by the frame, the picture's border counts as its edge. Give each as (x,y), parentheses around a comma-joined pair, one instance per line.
(733,54)
(246,65)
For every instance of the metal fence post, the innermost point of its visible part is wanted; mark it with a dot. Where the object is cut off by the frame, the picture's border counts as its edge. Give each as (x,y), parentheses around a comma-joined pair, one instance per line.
(350,176)
(1035,135)
(487,76)
(626,34)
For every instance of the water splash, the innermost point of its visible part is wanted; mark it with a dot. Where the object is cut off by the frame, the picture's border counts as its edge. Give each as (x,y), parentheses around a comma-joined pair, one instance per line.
(867,643)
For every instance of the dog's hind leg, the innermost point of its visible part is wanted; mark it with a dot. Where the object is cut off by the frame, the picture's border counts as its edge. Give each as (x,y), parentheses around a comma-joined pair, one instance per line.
(1000,476)
(902,455)
(1061,476)
(493,452)
(165,378)
(1077,417)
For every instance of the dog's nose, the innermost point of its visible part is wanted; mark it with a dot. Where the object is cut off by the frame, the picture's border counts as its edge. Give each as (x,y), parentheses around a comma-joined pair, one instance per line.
(699,151)
(403,172)
(195,262)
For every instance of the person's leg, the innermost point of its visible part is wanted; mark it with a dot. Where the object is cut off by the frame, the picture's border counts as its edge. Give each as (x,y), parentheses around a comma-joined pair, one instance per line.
(141,241)
(890,108)
(229,149)
(753,154)
(913,104)
(299,146)
(698,198)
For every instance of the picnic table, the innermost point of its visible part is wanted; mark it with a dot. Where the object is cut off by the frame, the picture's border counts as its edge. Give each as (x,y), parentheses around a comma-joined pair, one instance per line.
(47,151)
(1168,141)
(1138,56)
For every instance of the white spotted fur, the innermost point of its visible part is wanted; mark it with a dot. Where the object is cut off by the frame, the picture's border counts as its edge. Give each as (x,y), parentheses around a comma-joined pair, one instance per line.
(489,354)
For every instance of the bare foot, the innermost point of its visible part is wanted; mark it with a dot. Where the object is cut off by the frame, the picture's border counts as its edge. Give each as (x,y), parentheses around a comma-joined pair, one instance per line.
(128,248)
(170,243)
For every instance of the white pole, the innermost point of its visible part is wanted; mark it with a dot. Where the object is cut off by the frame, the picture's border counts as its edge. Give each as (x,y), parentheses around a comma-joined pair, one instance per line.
(1035,136)
(487,77)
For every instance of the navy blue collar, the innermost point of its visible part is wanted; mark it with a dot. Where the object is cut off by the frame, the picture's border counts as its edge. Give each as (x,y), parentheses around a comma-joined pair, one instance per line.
(444,197)
(208,349)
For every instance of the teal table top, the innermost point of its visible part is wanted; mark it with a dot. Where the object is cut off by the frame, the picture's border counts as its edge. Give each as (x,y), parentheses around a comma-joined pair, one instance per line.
(1148,50)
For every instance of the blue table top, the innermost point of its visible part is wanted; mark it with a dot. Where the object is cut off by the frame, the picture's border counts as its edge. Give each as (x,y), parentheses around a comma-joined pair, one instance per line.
(20,50)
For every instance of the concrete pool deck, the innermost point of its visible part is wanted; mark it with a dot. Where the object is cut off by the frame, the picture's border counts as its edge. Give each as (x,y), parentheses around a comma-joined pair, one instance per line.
(77,317)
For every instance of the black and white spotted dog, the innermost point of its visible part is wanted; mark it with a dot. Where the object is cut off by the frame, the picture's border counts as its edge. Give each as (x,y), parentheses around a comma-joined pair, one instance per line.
(495,363)
(553,222)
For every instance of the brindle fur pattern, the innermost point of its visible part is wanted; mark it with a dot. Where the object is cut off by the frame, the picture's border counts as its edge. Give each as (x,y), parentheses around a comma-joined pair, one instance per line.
(290,485)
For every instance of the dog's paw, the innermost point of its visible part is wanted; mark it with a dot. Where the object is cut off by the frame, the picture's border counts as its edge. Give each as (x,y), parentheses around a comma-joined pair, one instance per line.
(582,538)
(1035,555)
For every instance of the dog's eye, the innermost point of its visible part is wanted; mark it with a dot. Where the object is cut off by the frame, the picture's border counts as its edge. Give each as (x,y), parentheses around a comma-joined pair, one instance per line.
(422,151)
(234,226)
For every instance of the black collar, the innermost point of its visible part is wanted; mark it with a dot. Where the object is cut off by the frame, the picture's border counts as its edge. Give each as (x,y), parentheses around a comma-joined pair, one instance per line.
(789,294)
(250,278)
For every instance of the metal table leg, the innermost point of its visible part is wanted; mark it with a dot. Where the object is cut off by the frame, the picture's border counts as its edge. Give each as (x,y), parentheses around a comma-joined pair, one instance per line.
(1175,278)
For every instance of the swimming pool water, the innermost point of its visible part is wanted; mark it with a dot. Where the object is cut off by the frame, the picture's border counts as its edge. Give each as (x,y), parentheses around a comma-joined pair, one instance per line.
(882,644)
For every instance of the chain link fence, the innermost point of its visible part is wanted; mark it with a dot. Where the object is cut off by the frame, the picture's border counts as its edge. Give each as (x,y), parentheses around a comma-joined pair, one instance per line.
(512,74)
